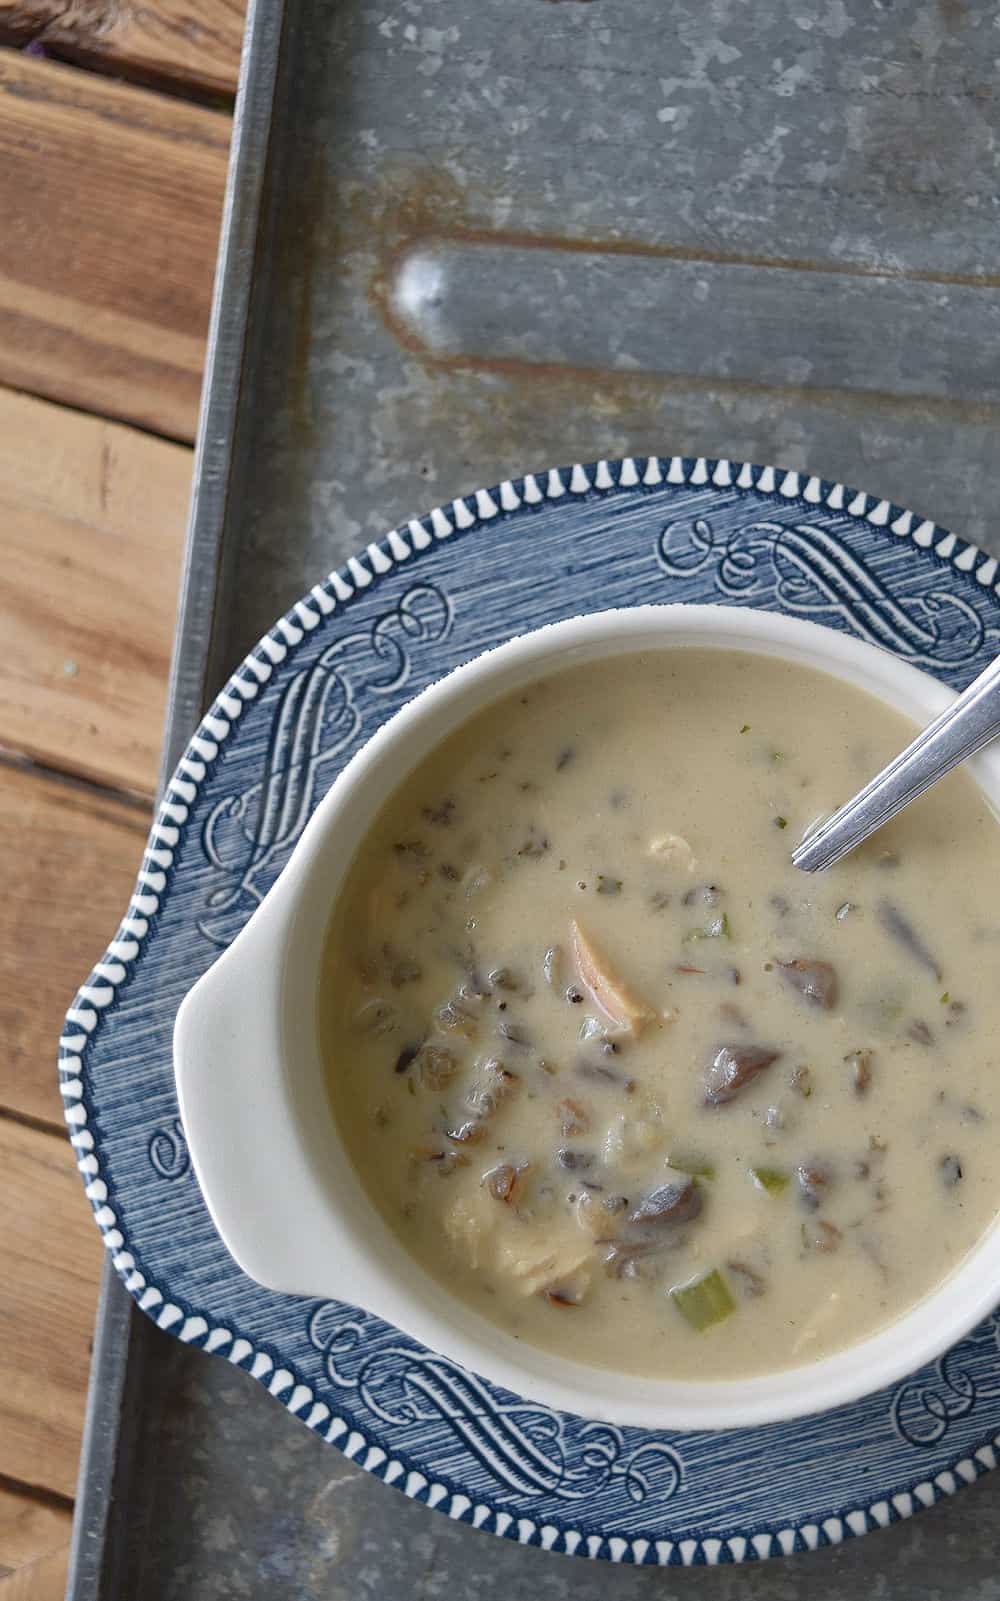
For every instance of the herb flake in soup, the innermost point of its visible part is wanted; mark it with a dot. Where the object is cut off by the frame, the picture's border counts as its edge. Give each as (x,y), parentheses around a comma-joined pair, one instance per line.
(622,1077)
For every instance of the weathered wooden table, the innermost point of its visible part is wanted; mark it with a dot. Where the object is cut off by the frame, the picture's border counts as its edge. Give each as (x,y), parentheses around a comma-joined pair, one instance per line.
(114,130)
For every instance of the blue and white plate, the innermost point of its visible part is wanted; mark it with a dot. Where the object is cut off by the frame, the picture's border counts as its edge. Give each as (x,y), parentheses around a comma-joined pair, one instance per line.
(430,596)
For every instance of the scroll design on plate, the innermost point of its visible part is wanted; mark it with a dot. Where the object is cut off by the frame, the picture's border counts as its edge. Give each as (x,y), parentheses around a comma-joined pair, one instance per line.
(924,1408)
(527,1448)
(814,574)
(247,835)
(168,1151)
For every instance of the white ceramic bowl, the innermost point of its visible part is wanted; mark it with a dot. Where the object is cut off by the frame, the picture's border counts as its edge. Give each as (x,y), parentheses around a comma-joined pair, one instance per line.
(277,1179)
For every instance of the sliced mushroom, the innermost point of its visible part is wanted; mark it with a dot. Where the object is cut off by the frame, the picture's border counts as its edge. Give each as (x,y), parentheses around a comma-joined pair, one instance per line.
(734,1067)
(813,1179)
(503,978)
(821,1236)
(919,1032)
(595,1033)
(506,1181)
(701,894)
(471,1132)
(493,1083)
(552,967)
(563,1296)
(407,1057)
(801,1082)
(816,982)
(604,1073)
(860,1066)
(668,1204)
(515,1035)
(436,1066)
(458,1016)
(732,1015)
(902,931)
(950,1169)
(624,1258)
(750,1283)
(443,1162)
(574,1116)
(575,1160)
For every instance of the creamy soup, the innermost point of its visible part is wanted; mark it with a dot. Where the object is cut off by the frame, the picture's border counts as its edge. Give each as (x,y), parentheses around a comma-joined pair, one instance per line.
(622,1077)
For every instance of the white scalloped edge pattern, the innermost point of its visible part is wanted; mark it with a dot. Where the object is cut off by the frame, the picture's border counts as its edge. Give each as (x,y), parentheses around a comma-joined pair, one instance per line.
(337,590)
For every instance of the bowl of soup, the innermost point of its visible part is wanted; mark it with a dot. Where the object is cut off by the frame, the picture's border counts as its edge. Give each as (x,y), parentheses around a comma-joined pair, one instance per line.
(541,1050)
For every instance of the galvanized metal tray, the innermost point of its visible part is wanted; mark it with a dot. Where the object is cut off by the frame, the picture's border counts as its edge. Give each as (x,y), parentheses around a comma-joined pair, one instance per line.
(460,241)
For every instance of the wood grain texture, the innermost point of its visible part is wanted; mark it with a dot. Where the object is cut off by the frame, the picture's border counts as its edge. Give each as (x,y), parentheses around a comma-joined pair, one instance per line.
(42,1580)
(191,45)
(92,517)
(50,1254)
(111,199)
(29,1530)
(68,860)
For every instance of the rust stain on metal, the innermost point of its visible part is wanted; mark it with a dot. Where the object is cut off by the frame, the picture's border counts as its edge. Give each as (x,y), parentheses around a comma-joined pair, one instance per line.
(845,401)
(423,208)
(298,256)
(953,13)
(431,208)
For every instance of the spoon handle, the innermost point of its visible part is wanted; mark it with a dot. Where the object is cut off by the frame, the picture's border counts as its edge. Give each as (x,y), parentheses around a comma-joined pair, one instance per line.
(964,727)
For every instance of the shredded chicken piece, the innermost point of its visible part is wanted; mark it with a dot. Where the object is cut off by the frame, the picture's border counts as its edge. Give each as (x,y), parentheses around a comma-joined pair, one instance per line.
(535,1263)
(674,850)
(496,1238)
(466,1225)
(632,1136)
(825,1312)
(593,1218)
(625,1009)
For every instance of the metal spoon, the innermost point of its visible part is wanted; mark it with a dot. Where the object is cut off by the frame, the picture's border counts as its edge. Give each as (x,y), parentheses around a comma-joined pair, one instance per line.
(969,723)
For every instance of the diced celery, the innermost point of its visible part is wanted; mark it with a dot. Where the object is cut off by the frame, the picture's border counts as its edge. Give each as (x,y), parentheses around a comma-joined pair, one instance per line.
(770,1179)
(704,1302)
(697,1166)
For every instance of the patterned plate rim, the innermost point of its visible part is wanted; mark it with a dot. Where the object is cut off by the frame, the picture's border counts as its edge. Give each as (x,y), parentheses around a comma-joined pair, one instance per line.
(112,973)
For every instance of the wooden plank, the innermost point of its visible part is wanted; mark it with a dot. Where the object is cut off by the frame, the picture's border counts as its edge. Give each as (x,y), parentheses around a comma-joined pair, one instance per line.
(92,517)
(29,1531)
(111,199)
(43,1580)
(68,860)
(49,1261)
(188,44)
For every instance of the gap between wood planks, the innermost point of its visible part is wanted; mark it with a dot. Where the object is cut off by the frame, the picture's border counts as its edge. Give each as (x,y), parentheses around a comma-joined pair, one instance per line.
(191,47)
(43,1579)
(93,517)
(69,864)
(49,1267)
(50,1501)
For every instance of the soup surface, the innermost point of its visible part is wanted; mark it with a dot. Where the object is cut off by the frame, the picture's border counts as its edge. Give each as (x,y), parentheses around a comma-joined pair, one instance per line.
(621,1076)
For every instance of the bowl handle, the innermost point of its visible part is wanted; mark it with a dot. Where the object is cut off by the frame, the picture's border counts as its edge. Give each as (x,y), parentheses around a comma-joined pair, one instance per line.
(278,1218)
